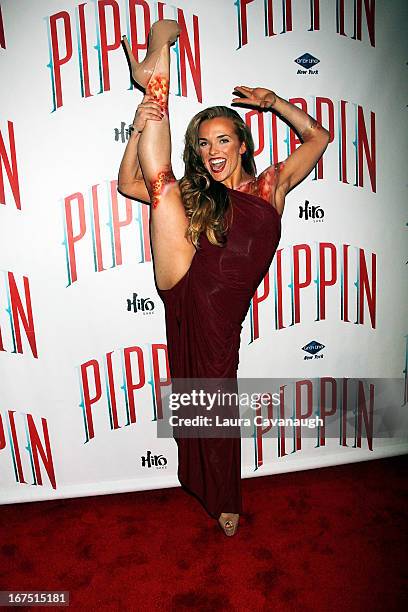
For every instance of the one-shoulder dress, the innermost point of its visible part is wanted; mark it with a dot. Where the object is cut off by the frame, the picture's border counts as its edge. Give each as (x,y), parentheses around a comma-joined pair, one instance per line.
(204,314)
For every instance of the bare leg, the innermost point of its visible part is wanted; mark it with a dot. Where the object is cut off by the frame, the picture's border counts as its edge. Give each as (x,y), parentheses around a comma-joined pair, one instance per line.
(155,140)
(172,252)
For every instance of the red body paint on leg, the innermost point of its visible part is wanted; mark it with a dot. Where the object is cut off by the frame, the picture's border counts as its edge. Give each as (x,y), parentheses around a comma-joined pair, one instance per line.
(158,87)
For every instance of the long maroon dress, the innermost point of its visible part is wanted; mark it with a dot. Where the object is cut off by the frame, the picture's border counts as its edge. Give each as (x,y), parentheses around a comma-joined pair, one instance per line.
(204,315)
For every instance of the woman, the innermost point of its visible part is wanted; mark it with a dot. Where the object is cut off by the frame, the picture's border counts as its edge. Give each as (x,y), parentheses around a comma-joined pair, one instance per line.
(214,234)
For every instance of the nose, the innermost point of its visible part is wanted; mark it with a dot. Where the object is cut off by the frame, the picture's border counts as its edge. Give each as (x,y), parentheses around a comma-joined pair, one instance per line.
(213,148)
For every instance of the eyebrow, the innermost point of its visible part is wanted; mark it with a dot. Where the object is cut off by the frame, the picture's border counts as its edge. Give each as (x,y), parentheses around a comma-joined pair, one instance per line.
(219,136)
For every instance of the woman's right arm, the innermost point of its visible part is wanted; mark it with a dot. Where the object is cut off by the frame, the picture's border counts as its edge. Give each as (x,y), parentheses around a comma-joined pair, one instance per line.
(130,180)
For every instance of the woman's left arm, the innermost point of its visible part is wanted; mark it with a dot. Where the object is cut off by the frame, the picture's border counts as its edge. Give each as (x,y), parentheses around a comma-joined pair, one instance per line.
(315,138)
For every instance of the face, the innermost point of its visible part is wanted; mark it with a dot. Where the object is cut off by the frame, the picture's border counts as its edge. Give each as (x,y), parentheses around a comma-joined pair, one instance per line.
(220,148)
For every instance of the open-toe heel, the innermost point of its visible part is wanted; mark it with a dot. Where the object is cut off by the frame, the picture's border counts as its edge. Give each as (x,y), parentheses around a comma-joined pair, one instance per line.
(165,31)
(229,523)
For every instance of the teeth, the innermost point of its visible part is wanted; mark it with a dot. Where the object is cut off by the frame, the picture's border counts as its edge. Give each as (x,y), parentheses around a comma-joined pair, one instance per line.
(217,162)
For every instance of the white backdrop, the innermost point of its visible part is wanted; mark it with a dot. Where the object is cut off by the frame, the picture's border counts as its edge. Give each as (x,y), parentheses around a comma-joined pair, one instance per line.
(82,335)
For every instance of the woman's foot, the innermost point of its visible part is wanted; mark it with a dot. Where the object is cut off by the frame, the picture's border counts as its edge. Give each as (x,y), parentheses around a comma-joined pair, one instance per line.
(165,31)
(229,523)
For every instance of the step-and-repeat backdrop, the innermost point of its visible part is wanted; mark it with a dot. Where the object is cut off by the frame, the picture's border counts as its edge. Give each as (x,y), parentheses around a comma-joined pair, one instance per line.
(83,354)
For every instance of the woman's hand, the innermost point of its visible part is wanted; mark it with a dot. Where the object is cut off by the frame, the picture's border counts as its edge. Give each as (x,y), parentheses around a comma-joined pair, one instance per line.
(147,109)
(255,96)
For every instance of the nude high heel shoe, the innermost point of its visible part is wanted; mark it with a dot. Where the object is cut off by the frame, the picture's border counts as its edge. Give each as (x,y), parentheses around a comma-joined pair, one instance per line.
(165,31)
(229,523)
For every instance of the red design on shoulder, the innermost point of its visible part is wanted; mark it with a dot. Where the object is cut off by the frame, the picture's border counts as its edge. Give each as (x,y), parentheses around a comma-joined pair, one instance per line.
(265,184)
(249,187)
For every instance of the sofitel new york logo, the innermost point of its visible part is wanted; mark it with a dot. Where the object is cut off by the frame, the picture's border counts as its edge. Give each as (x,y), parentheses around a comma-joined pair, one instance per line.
(306,212)
(307,62)
(157,461)
(143,305)
(313,348)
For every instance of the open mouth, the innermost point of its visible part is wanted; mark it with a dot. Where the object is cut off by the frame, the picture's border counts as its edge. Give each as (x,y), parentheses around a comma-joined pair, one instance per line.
(217,164)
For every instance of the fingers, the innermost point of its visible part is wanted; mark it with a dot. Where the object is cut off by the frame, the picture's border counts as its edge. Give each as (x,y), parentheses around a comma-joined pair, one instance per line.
(243,93)
(248,99)
(154,106)
(246,94)
(250,103)
(153,117)
(149,102)
(148,109)
(244,89)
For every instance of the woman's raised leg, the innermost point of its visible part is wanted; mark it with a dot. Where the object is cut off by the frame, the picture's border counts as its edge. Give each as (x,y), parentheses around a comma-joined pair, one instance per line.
(172,251)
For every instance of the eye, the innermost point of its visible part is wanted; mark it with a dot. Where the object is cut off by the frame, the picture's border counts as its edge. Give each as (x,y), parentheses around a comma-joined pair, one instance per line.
(202,143)
(224,140)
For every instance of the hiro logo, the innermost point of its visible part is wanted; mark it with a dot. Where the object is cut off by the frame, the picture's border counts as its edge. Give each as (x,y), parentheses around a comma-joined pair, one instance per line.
(143,305)
(313,347)
(307,61)
(157,461)
(307,212)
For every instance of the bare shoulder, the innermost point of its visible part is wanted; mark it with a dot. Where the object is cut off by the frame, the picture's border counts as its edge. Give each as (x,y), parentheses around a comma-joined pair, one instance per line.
(271,174)
(268,186)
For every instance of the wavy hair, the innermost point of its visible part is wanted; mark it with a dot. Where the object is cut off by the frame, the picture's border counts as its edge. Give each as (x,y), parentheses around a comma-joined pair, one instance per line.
(205,200)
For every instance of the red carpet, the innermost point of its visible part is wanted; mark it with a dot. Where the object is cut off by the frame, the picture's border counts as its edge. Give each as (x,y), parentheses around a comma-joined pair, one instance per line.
(325,539)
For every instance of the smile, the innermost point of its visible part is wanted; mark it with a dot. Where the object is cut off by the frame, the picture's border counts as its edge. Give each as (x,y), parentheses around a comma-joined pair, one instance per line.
(217,164)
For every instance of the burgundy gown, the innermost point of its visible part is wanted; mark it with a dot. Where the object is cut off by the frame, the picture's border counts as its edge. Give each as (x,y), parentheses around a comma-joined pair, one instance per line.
(204,315)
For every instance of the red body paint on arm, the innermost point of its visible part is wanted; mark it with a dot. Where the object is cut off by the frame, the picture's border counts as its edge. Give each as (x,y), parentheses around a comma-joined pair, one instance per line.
(165,177)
